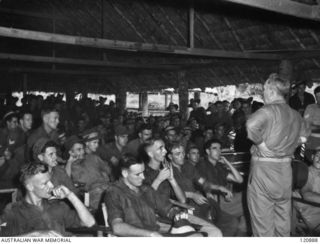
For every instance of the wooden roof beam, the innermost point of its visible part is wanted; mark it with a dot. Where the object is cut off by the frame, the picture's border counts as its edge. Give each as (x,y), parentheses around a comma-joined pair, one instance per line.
(105,63)
(93,73)
(55,71)
(297,39)
(287,7)
(131,46)
(85,62)
(31,14)
(314,74)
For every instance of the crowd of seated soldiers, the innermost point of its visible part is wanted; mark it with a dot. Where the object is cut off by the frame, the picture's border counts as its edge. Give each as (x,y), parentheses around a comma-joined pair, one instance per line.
(132,163)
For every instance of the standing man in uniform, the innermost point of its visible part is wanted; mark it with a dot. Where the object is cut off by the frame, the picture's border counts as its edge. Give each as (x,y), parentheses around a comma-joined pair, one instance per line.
(276,130)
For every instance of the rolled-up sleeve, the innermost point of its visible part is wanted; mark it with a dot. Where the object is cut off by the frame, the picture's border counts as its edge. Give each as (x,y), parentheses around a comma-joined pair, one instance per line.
(255,125)
(113,202)
(70,217)
(162,205)
(10,223)
(305,130)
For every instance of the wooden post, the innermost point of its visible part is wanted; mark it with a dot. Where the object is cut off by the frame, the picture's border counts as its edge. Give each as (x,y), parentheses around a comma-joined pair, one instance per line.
(165,100)
(25,85)
(196,95)
(121,98)
(286,72)
(53,44)
(140,101)
(103,25)
(69,94)
(102,19)
(191,25)
(84,89)
(143,101)
(183,95)
(8,93)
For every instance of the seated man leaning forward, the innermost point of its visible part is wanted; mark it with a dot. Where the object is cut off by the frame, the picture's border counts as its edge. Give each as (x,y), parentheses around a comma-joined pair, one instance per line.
(36,215)
(90,169)
(45,152)
(189,180)
(219,171)
(132,206)
(311,192)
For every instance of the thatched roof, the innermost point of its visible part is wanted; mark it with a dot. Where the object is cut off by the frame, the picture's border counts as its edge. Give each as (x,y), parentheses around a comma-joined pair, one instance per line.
(232,44)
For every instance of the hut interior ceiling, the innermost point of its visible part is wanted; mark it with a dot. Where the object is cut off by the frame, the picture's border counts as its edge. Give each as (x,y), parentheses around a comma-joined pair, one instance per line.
(144,44)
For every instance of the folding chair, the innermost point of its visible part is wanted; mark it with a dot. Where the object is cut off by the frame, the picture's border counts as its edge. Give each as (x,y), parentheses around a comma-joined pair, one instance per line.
(12,191)
(7,196)
(99,230)
(299,224)
(302,226)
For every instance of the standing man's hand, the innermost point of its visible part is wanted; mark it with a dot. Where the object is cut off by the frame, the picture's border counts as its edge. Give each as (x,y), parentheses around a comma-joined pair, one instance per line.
(264,150)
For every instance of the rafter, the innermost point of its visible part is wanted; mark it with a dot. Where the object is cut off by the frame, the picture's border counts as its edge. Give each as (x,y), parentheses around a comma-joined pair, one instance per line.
(59,71)
(297,39)
(130,46)
(287,7)
(129,22)
(142,19)
(191,24)
(30,14)
(172,24)
(85,62)
(235,35)
(205,25)
(314,36)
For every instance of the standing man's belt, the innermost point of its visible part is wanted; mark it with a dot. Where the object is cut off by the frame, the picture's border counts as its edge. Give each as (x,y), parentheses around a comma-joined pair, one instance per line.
(275,160)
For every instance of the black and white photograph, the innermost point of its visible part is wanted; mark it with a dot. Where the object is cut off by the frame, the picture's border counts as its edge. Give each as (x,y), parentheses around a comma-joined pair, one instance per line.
(149,118)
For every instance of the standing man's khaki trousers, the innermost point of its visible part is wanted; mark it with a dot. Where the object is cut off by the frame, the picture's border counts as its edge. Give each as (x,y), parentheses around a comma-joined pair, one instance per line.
(269,196)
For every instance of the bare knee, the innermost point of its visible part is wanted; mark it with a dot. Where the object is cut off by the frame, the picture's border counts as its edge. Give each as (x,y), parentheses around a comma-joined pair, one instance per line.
(212,231)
